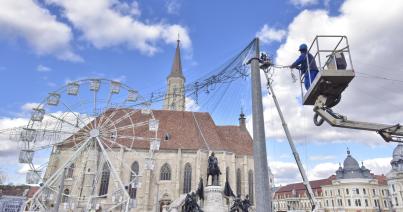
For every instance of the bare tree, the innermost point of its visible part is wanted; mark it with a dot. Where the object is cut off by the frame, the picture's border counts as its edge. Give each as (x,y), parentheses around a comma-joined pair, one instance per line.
(3,177)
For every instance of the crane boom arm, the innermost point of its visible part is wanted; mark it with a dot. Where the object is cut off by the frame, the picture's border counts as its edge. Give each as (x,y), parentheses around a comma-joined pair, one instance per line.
(389,133)
(308,187)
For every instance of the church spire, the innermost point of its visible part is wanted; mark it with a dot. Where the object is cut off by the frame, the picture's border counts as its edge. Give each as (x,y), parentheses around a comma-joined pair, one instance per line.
(176,70)
(175,95)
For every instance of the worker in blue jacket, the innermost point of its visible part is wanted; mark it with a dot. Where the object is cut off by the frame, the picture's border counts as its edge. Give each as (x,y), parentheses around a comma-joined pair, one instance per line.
(302,64)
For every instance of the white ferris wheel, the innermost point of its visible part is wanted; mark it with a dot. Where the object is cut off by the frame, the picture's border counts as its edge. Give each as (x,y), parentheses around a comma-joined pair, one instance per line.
(82,126)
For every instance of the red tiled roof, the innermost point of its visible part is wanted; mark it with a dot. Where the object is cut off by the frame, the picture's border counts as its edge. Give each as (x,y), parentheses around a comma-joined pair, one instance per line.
(11,190)
(236,139)
(381,179)
(299,188)
(186,130)
(316,185)
(32,190)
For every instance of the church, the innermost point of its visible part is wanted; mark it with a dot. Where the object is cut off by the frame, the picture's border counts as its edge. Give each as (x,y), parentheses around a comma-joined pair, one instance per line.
(187,140)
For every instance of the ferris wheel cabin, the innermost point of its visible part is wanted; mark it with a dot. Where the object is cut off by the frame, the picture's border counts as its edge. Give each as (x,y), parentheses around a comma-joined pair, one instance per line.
(332,55)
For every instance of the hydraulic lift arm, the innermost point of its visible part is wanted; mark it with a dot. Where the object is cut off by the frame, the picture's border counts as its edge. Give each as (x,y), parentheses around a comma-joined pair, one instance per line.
(308,187)
(389,133)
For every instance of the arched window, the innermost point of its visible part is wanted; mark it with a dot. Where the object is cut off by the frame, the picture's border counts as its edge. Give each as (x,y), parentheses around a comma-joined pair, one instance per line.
(70,171)
(250,181)
(238,182)
(187,178)
(165,173)
(65,197)
(104,180)
(133,180)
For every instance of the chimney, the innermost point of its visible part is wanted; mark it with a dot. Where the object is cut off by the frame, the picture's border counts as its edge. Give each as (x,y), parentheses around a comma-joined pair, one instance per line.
(242,122)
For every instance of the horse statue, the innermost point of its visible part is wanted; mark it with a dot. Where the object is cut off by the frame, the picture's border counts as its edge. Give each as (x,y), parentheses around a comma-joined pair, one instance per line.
(213,170)
(191,204)
(239,205)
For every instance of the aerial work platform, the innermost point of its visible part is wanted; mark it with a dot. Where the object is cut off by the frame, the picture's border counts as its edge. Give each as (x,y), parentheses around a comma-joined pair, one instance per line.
(332,55)
(330,83)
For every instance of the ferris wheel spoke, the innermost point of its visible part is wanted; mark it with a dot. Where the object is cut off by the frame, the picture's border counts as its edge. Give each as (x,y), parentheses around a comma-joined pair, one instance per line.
(84,122)
(125,116)
(78,117)
(95,103)
(55,175)
(130,126)
(76,144)
(108,117)
(62,120)
(134,138)
(117,177)
(115,143)
(122,162)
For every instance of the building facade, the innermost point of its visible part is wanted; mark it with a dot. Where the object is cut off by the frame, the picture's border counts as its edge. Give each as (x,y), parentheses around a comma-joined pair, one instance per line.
(352,189)
(395,179)
(13,198)
(187,140)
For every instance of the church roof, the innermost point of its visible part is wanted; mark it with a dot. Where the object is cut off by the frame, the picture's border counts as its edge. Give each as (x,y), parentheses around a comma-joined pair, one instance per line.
(176,70)
(186,130)
(296,189)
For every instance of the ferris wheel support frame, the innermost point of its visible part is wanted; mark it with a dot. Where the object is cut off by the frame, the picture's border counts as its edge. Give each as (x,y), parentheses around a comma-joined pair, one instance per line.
(53,177)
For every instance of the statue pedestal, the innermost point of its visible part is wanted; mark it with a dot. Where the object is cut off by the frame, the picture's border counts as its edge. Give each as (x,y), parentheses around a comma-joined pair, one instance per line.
(214,201)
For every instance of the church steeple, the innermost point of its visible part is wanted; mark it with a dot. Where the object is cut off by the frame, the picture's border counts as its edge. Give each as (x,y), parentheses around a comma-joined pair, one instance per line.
(175,95)
(176,70)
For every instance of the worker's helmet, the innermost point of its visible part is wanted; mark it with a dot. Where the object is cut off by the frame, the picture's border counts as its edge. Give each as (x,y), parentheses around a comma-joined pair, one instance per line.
(303,47)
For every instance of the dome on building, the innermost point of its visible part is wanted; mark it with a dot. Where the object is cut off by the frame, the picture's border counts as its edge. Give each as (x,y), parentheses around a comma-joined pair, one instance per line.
(351,169)
(398,152)
(350,163)
(397,161)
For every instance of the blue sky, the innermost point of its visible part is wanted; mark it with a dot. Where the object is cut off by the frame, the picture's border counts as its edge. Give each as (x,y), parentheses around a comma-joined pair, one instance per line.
(61,40)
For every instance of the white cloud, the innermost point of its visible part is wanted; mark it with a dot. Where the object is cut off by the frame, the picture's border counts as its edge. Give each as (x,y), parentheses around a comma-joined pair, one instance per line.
(27,20)
(322,170)
(303,3)
(268,34)
(284,172)
(27,107)
(365,99)
(173,6)
(191,105)
(121,78)
(9,147)
(42,68)
(26,167)
(103,25)
(125,8)
(287,172)
(321,157)
(378,166)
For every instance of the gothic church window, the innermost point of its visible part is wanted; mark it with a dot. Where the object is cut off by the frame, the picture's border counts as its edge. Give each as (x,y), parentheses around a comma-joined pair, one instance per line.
(238,182)
(65,197)
(133,180)
(187,178)
(70,171)
(104,180)
(250,181)
(165,173)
